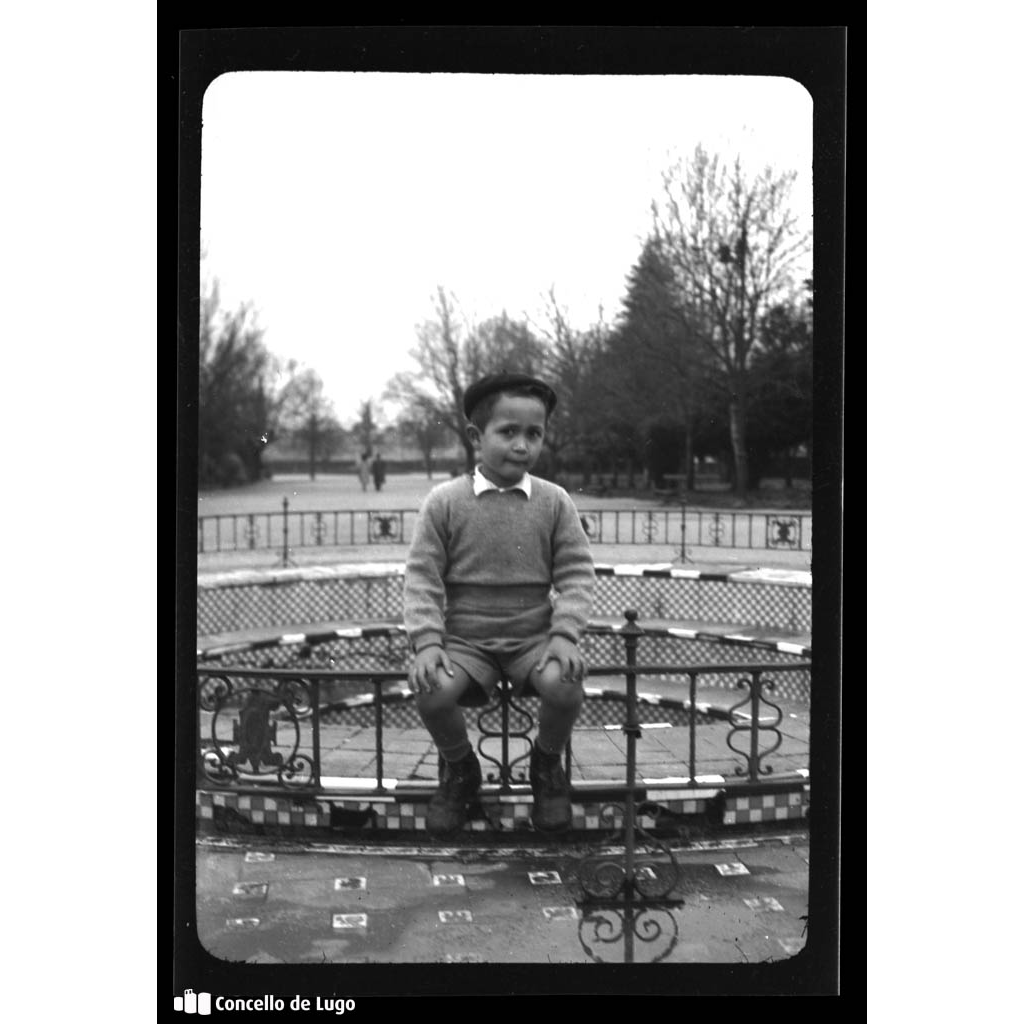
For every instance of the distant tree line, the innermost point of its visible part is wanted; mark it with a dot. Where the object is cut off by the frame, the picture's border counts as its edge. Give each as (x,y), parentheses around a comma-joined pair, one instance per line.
(249,398)
(711,355)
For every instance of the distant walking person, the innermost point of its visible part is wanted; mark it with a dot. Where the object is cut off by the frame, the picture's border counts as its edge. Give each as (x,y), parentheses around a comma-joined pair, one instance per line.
(378,472)
(364,470)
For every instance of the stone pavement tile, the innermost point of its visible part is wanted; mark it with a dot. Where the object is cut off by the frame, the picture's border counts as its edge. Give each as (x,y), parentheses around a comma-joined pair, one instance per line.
(403,766)
(796,733)
(510,914)
(600,772)
(724,918)
(336,732)
(591,737)
(365,739)
(321,895)
(780,863)
(409,741)
(348,763)
(610,743)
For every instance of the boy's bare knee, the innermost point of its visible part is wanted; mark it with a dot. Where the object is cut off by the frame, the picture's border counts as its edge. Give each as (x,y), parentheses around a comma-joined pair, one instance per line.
(442,699)
(548,678)
(553,690)
(446,695)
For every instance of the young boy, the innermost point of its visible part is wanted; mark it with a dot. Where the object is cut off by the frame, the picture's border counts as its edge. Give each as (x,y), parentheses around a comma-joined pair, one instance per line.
(487,551)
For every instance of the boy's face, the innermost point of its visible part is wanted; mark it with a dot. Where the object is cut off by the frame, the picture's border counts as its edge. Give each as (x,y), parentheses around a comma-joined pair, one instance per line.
(511,442)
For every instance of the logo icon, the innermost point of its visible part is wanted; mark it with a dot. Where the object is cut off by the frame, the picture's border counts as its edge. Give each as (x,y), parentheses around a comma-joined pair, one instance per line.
(193,1003)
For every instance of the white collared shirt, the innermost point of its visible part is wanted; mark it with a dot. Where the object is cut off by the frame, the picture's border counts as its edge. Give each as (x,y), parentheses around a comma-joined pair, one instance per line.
(482,484)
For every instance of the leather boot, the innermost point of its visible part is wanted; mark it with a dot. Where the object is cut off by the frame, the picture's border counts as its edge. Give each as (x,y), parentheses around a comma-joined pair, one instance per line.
(459,783)
(552,809)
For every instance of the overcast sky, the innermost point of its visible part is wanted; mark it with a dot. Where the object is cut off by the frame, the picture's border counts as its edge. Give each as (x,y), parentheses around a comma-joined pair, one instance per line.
(336,203)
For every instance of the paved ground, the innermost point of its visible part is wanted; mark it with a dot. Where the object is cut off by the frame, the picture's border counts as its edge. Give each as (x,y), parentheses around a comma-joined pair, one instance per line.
(404,491)
(261,902)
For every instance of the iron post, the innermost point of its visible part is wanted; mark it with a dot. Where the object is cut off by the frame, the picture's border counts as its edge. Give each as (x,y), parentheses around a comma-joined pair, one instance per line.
(630,633)
(285,559)
(682,542)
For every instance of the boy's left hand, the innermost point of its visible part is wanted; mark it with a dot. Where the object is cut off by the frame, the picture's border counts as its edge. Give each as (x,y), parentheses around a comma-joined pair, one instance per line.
(567,654)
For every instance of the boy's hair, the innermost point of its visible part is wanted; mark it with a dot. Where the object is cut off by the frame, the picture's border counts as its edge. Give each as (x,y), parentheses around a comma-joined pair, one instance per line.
(483,395)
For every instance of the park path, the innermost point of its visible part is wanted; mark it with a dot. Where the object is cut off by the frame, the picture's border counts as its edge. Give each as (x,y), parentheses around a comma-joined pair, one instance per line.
(329,493)
(406,491)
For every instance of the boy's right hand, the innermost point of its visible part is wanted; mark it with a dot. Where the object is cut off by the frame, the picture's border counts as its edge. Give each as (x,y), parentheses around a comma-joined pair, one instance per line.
(423,676)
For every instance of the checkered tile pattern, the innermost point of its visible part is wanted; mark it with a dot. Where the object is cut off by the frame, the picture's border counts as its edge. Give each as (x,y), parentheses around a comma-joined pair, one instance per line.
(289,596)
(382,647)
(703,648)
(263,810)
(744,810)
(232,601)
(678,801)
(407,813)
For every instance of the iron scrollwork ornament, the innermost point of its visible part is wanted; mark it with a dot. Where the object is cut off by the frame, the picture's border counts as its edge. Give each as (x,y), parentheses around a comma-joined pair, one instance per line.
(384,529)
(783,532)
(753,752)
(603,875)
(251,532)
(654,925)
(319,529)
(716,529)
(649,528)
(498,721)
(255,732)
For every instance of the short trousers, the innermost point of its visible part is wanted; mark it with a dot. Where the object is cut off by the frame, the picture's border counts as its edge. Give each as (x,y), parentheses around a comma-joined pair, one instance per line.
(487,661)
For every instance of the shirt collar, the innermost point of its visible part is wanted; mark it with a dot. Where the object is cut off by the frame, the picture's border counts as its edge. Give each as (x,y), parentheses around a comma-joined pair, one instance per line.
(482,484)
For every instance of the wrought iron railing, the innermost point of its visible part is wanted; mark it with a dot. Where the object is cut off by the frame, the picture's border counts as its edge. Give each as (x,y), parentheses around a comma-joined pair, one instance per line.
(288,530)
(261,727)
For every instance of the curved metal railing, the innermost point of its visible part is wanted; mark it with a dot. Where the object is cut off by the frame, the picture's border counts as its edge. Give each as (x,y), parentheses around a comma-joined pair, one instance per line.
(259,729)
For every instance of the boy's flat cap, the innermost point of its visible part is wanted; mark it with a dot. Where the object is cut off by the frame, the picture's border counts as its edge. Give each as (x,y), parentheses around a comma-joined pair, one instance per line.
(502,382)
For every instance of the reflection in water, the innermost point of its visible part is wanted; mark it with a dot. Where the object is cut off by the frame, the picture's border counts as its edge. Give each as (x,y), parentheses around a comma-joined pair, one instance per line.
(609,932)
(625,895)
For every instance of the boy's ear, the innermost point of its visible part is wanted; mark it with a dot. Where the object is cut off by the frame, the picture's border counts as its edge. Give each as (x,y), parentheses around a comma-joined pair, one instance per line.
(473,433)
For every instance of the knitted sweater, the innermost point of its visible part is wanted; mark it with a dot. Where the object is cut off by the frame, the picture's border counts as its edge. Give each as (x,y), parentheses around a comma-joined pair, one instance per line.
(500,547)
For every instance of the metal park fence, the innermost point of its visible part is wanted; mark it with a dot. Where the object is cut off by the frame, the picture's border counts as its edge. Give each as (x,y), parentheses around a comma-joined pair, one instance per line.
(287,530)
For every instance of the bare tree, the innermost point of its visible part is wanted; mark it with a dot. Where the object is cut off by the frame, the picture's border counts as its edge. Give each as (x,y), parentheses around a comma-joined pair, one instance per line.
(568,364)
(420,425)
(501,344)
(308,415)
(440,352)
(657,347)
(366,428)
(236,392)
(733,244)
(451,356)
